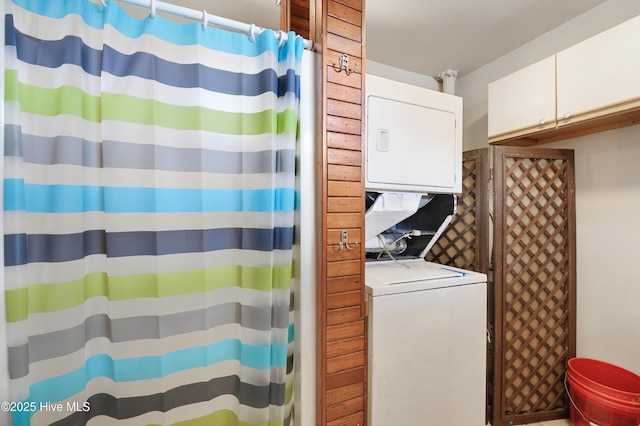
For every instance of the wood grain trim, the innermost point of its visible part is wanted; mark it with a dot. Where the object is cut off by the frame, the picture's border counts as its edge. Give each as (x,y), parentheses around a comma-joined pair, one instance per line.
(344,205)
(355,4)
(344,109)
(357,419)
(344,300)
(345,45)
(300,6)
(341,376)
(345,362)
(341,12)
(347,346)
(344,284)
(606,118)
(344,378)
(481,157)
(343,315)
(344,173)
(343,157)
(344,220)
(345,29)
(335,254)
(343,93)
(343,189)
(296,16)
(344,409)
(524,132)
(344,393)
(341,269)
(341,77)
(345,331)
(345,141)
(302,24)
(343,125)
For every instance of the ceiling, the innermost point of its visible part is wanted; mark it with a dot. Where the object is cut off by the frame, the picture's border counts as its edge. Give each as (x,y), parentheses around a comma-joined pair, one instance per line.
(427,36)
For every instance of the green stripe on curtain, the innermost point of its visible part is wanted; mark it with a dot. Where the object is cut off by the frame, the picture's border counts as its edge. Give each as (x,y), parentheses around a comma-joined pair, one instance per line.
(125,108)
(40,298)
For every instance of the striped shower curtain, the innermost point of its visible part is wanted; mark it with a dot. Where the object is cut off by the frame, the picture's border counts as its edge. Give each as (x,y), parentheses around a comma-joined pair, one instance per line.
(148,212)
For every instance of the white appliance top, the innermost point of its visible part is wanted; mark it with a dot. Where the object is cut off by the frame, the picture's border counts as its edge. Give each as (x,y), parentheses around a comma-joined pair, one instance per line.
(389,277)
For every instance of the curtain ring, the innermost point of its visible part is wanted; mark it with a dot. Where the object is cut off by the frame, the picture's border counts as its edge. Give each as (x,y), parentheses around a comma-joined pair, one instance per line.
(153,9)
(252,33)
(282,38)
(205,19)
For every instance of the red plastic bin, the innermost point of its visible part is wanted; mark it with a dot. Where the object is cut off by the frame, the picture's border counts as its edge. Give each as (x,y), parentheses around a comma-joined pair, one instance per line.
(602,394)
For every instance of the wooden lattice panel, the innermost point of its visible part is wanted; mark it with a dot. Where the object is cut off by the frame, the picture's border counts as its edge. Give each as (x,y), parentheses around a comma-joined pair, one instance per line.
(535,280)
(465,242)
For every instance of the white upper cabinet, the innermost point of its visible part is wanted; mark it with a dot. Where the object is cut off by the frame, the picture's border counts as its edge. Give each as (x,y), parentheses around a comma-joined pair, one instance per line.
(523,102)
(600,73)
(590,87)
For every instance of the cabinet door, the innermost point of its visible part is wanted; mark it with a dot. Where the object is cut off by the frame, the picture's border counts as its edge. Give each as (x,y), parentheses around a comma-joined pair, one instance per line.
(600,75)
(523,102)
(400,134)
(534,284)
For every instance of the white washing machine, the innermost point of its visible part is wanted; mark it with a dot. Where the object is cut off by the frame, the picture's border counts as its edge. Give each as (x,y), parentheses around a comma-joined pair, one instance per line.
(427,344)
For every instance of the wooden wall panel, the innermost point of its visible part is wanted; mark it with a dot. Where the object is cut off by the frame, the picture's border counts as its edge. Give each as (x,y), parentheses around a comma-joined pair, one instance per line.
(345,331)
(344,205)
(335,26)
(344,393)
(354,420)
(342,141)
(343,157)
(345,29)
(296,15)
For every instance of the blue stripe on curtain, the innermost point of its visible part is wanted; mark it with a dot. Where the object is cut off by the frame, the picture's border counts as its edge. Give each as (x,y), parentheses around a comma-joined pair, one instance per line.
(162,29)
(76,199)
(148,202)
(143,368)
(71,50)
(69,247)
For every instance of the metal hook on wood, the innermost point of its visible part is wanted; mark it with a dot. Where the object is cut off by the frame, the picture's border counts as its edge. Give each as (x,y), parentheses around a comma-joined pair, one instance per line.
(344,241)
(343,64)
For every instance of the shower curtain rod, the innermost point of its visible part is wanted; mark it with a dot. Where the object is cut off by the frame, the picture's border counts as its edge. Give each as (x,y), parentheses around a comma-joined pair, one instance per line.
(204,17)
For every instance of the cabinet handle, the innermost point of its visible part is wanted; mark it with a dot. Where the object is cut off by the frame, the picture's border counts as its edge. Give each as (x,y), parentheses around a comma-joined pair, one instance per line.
(566,115)
(543,122)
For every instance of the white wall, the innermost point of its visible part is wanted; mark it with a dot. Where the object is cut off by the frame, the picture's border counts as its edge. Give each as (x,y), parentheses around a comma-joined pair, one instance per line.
(408,77)
(304,283)
(607,196)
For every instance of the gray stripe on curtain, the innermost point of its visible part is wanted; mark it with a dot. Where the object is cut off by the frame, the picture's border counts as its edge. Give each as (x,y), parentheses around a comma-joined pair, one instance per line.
(44,150)
(80,152)
(64,342)
(123,408)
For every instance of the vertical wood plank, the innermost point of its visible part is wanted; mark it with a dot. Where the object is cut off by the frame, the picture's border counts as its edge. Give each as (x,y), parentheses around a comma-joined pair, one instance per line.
(336,27)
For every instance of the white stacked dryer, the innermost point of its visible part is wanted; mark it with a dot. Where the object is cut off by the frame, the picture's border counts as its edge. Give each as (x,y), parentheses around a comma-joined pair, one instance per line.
(427,322)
